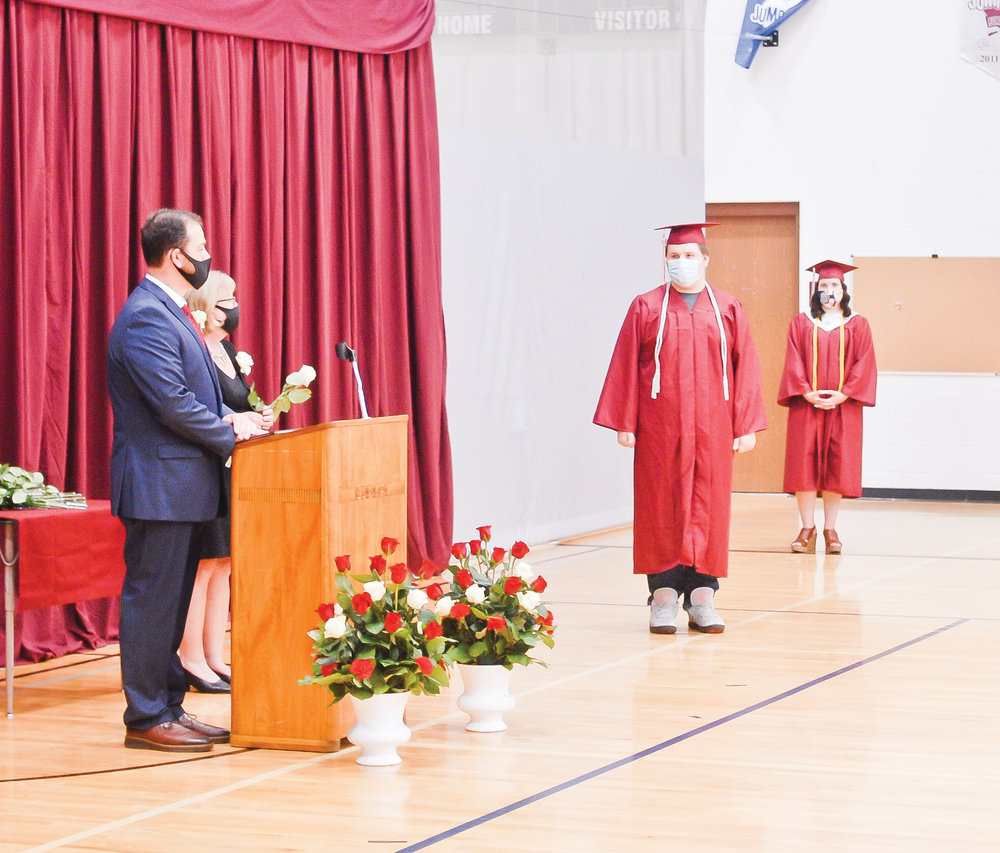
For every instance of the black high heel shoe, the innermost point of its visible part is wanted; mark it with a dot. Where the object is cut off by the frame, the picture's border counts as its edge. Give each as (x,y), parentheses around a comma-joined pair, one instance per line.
(228,679)
(199,685)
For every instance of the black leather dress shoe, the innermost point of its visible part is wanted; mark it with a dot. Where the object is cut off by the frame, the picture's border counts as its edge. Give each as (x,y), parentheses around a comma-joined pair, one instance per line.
(216,734)
(201,686)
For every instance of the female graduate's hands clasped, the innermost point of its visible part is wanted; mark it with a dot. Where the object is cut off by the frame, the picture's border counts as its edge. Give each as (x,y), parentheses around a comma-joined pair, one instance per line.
(826,400)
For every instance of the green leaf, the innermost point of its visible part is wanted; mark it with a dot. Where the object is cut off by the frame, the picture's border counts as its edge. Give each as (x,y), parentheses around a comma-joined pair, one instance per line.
(477,649)
(299,395)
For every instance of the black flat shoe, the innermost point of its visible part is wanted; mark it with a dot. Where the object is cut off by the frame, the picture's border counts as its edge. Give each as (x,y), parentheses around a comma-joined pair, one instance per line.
(199,685)
(223,676)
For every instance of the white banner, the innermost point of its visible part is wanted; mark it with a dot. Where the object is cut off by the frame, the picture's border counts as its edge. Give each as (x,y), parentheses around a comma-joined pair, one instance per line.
(980,34)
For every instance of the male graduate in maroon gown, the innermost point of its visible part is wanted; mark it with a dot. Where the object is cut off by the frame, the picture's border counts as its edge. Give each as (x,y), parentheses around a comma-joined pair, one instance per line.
(829,378)
(683,389)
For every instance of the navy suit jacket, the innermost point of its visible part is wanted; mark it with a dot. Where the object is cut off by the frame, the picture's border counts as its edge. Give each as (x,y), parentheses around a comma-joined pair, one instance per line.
(170,442)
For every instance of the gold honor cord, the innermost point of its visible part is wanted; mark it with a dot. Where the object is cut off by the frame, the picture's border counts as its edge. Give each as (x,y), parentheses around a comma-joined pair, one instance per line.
(815,382)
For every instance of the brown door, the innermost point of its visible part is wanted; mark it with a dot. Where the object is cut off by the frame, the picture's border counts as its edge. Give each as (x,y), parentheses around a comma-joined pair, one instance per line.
(755,257)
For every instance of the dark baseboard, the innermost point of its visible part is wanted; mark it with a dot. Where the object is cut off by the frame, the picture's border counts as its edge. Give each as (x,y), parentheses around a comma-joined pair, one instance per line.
(956,495)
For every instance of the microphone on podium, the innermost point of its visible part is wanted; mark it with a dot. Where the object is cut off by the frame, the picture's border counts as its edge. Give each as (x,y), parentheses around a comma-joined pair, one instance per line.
(345,353)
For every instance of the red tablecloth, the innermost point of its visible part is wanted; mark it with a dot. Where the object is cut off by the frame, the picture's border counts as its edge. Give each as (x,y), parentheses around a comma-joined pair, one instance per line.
(70,575)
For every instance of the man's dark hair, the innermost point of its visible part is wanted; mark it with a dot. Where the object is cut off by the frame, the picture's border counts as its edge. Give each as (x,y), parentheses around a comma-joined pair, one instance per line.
(816,307)
(165,229)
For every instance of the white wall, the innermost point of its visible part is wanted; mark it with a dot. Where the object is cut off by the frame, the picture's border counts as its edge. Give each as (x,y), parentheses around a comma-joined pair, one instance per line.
(868,117)
(562,148)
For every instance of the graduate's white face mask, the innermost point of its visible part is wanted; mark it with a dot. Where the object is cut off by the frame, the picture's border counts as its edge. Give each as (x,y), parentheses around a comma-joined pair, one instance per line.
(686,266)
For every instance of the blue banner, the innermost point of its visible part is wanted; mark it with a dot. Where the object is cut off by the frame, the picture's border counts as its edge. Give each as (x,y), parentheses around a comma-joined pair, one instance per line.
(760,20)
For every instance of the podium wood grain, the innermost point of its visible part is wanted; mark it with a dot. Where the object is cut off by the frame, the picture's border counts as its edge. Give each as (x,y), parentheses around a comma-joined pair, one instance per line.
(300,499)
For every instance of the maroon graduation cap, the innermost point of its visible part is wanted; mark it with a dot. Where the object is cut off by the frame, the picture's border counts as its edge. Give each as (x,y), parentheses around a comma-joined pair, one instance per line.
(830,269)
(689,232)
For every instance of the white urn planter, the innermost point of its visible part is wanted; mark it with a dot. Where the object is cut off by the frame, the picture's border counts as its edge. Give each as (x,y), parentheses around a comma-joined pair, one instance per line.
(379,728)
(485,697)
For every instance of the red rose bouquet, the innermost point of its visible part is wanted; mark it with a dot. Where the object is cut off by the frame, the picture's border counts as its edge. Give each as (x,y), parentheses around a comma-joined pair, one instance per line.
(490,605)
(381,635)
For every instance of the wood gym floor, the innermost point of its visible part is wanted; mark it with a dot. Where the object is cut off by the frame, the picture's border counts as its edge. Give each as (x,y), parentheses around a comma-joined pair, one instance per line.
(852,704)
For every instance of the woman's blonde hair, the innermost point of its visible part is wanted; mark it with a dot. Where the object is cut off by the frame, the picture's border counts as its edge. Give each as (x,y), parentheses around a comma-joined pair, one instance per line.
(205,297)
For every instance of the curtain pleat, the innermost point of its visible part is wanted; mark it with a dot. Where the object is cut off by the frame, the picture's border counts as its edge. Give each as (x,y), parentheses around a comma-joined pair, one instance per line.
(316,171)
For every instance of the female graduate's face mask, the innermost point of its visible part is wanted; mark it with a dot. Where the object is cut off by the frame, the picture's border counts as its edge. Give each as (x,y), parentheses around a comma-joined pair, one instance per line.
(831,291)
(685,271)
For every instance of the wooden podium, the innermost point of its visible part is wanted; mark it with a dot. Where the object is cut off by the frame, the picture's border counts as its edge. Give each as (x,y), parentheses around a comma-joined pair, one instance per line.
(300,499)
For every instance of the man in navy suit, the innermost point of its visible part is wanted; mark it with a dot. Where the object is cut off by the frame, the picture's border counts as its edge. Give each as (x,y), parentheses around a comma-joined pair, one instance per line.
(172,436)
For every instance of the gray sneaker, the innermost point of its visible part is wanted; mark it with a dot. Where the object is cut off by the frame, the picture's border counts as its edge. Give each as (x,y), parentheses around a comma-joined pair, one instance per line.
(701,612)
(663,612)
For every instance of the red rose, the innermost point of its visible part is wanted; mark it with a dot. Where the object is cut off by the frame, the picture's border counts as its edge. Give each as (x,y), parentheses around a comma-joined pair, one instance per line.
(434,591)
(512,586)
(425,663)
(547,618)
(326,611)
(485,532)
(328,668)
(459,610)
(362,668)
(398,572)
(496,623)
(464,578)
(498,555)
(393,622)
(378,564)
(475,546)
(427,569)
(389,544)
(343,563)
(460,550)
(433,630)
(539,584)
(361,602)
(519,549)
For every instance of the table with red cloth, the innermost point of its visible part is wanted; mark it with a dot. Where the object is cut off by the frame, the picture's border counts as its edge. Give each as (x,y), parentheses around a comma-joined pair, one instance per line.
(70,570)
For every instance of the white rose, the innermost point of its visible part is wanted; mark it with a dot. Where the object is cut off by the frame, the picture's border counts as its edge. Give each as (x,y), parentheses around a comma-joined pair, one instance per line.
(335,627)
(443,606)
(306,374)
(524,571)
(529,600)
(376,589)
(201,318)
(293,379)
(245,361)
(416,598)
(337,609)
(475,594)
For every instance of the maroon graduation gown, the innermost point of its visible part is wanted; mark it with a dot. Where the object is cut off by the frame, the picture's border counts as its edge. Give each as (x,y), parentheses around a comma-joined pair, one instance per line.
(823,448)
(684,438)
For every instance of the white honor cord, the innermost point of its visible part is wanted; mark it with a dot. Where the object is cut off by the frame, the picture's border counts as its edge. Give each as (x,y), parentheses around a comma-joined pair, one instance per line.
(659,343)
(722,338)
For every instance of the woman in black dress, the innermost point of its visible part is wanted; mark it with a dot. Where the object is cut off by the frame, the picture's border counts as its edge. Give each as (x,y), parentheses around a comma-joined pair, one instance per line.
(201,650)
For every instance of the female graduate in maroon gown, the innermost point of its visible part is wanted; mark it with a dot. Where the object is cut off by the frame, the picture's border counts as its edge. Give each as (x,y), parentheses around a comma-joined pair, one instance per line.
(829,378)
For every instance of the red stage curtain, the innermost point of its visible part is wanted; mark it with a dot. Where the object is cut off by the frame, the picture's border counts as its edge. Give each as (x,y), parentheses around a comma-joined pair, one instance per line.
(364,26)
(316,171)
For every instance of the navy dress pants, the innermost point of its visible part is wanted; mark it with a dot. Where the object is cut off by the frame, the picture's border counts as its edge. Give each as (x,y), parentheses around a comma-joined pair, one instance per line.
(161,561)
